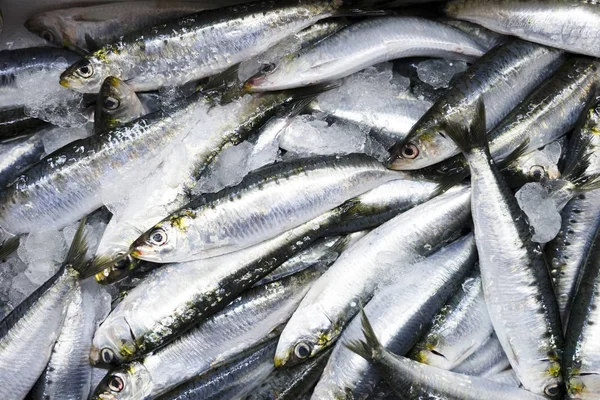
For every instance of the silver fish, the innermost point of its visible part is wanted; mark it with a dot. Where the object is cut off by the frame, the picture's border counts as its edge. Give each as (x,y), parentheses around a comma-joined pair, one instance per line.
(570,25)
(231,381)
(14,122)
(116,105)
(364,44)
(413,380)
(486,38)
(458,330)
(252,319)
(489,359)
(400,312)
(29,332)
(516,281)
(197,46)
(249,213)
(503,77)
(386,251)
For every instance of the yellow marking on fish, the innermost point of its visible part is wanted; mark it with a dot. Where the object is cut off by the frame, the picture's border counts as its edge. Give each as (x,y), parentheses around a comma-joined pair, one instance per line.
(179,222)
(554,369)
(127,349)
(595,131)
(421,357)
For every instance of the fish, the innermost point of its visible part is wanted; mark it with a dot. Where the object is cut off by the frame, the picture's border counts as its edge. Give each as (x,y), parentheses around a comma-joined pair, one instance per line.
(458,330)
(516,283)
(28,333)
(18,154)
(401,313)
(581,355)
(150,315)
(199,45)
(486,38)
(116,105)
(361,45)
(388,250)
(545,22)
(567,252)
(411,379)
(252,319)
(85,29)
(504,77)
(14,122)
(231,381)
(538,165)
(22,68)
(68,375)
(291,383)
(488,360)
(248,213)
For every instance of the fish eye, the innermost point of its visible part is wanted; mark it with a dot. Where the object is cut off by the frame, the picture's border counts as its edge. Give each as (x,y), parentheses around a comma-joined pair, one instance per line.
(115,384)
(158,236)
(302,350)
(410,151)
(47,36)
(268,68)
(110,103)
(537,172)
(85,70)
(552,390)
(107,355)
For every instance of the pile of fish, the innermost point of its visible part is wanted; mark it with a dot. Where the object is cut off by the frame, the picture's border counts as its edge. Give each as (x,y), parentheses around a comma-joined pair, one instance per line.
(302,199)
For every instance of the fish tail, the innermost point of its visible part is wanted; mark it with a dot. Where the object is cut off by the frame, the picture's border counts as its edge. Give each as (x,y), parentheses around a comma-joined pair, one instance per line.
(514,155)
(9,246)
(585,183)
(576,170)
(76,257)
(469,131)
(370,349)
(447,182)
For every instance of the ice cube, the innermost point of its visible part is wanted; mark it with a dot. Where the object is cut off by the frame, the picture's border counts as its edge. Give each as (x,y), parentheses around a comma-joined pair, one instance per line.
(540,207)
(439,72)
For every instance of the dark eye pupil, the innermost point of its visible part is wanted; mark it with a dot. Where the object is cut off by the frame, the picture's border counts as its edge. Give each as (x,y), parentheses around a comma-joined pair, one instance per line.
(303,351)
(47,36)
(106,356)
(115,384)
(408,151)
(84,70)
(157,237)
(268,68)
(110,103)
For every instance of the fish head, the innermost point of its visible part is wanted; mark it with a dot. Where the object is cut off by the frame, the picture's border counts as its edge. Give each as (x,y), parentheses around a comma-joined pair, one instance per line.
(118,101)
(286,73)
(425,145)
(47,26)
(87,74)
(113,343)
(305,336)
(159,244)
(132,381)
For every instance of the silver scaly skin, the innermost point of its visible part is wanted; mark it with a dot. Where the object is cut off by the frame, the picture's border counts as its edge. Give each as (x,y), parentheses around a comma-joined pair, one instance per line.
(364,44)
(19,154)
(489,359)
(250,320)
(400,313)
(582,349)
(413,380)
(68,375)
(231,381)
(571,25)
(458,329)
(481,35)
(151,314)
(516,280)
(566,254)
(116,105)
(503,77)
(85,29)
(197,46)
(29,332)
(267,202)
(353,278)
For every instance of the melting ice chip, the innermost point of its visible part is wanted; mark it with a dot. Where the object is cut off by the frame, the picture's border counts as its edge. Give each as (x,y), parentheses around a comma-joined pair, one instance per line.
(542,211)
(438,73)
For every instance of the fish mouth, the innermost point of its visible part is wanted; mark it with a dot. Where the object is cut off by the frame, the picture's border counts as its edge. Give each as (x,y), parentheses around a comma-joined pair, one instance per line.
(65,83)
(253,83)
(94,355)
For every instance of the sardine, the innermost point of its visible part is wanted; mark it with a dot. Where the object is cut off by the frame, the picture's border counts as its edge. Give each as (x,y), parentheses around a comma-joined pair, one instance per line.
(252,319)
(116,105)
(413,380)
(401,312)
(503,77)
(566,254)
(248,213)
(516,281)
(581,360)
(85,29)
(29,332)
(489,359)
(352,279)
(197,46)
(571,25)
(364,44)
(458,329)
(14,123)
(486,38)
(231,381)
